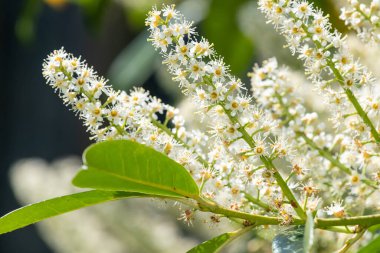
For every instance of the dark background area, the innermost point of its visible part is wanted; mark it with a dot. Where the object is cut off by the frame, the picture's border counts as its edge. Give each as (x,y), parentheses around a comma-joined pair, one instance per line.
(33,120)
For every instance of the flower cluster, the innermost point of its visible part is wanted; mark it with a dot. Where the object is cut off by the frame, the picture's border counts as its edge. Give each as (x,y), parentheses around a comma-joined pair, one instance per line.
(347,86)
(254,134)
(110,114)
(204,77)
(340,78)
(317,150)
(227,171)
(363,18)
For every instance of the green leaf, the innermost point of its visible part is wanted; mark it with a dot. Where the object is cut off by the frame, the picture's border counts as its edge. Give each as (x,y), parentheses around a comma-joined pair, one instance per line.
(290,241)
(372,247)
(308,238)
(123,165)
(374,229)
(33,213)
(215,244)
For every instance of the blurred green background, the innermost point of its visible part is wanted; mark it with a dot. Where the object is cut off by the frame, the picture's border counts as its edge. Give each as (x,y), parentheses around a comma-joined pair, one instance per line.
(111,36)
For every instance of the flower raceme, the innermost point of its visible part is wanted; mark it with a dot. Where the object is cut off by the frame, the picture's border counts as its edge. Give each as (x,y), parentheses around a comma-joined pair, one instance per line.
(339,77)
(346,85)
(110,114)
(317,150)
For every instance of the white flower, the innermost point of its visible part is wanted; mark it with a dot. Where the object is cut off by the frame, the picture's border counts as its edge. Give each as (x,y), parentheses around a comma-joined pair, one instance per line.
(197,69)
(336,209)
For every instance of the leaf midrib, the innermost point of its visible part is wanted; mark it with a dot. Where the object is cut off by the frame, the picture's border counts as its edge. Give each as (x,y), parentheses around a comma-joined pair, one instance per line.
(146,183)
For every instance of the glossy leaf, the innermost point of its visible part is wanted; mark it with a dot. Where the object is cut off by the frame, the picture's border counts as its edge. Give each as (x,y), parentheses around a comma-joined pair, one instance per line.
(33,213)
(374,229)
(213,245)
(372,247)
(123,165)
(290,241)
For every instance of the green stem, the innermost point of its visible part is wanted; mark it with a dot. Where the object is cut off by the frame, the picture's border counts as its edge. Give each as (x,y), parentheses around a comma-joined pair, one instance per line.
(284,187)
(332,224)
(305,201)
(165,129)
(350,95)
(312,144)
(289,177)
(363,221)
(362,114)
(268,163)
(368,18)
(351,241)
(344,230)
(270,166)
(208,206)
(324,153)
(286,107)
(257,202)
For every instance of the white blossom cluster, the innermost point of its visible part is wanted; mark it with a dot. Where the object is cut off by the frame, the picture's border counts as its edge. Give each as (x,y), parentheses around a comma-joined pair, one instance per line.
(364,18)
(346,84)
(110,114)
(328,63)
(317,150)
(246,135)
